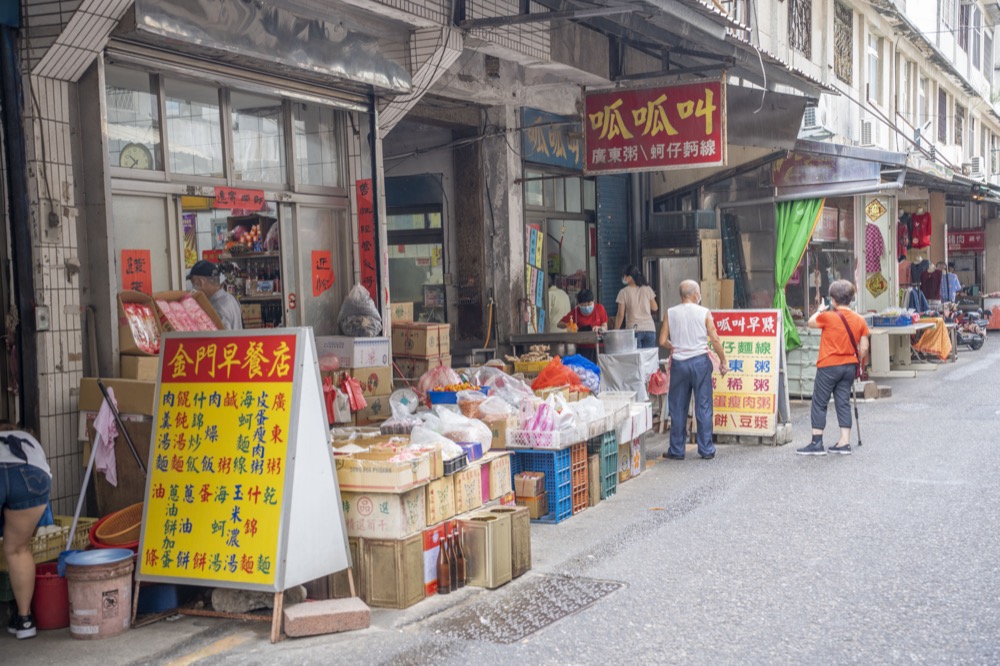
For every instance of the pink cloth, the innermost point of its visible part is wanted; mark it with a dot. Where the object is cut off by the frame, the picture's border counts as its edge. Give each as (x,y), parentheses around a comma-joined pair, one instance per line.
(107,431)
(874,248)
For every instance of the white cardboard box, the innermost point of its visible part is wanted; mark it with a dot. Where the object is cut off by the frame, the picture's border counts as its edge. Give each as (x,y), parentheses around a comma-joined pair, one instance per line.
(355,352)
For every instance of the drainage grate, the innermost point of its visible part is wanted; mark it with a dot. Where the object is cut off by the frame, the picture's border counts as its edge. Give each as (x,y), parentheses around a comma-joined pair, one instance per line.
(532,604)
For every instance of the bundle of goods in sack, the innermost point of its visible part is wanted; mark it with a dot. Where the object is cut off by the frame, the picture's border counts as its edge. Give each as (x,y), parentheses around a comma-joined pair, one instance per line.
(186,315)
(142,322)
(359,318)
(455,427)
(509,389)
(403,405)
(588,372)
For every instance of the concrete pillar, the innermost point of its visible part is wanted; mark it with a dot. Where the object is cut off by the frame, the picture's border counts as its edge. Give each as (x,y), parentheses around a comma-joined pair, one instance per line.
(504,205)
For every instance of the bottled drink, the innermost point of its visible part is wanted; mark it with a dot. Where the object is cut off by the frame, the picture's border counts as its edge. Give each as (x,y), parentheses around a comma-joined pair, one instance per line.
(453,560)
(460,558)
(444,568)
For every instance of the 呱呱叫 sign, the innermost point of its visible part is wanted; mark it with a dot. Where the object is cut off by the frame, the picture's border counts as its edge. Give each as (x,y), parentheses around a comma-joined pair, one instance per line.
(647,129)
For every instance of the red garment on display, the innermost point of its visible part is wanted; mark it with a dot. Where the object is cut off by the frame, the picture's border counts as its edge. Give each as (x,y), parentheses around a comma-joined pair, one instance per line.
(903,237)
(930,284)
(921,231)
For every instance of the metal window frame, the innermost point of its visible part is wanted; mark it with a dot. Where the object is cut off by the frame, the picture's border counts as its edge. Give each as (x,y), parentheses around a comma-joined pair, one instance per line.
(800,26)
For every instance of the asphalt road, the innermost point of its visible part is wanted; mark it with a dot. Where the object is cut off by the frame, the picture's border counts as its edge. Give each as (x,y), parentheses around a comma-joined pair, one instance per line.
(889,555)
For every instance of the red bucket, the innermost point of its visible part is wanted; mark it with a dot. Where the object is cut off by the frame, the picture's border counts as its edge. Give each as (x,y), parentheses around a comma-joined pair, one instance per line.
(50,605)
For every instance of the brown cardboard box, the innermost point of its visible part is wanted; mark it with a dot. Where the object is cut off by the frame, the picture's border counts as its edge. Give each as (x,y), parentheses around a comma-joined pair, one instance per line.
(440,500)
(421,340)
(401,313)
(392,572)
(499,428)
(373,471)
(126,340)
(143,368)
(385,515)
(594,479)
(374,381)
(414,368)
(468,488)
(537,506)
(497,475)
(202,299)
(131,488)
(132,396)
(529,484)
(726,295)
(376,411)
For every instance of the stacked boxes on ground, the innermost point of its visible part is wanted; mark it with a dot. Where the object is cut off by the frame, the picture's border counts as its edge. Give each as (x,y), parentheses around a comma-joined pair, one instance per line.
(419,347)
(367,360)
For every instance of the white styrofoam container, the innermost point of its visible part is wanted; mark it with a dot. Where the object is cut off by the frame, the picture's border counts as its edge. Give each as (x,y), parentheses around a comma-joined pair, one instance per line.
(355,352)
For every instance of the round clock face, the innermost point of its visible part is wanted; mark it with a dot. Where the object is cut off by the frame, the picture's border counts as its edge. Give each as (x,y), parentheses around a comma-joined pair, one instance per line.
(135,156)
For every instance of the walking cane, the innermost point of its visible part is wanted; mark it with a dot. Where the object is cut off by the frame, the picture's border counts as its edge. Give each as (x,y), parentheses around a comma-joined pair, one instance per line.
(857,421)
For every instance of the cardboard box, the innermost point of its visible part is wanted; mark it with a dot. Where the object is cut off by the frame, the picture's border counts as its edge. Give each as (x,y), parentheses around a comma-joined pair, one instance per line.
(392,572)
(132,395)
(142,368)
(126,340)
(624,462)
(372,471)
(432,546)
(355,352)
(375,381)
(414,368)
(537,506)
(496,476)
(201,298)
(385,515)
(401,313)
(726,294)
(594,480)
(398,442)
(440,500)
(131,488)
(468,488)
(529,484)
(376,411)
(419,340)
(499,428)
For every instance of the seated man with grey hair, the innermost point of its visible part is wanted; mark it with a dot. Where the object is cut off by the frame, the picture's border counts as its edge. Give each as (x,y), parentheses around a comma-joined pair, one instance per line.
(204,277)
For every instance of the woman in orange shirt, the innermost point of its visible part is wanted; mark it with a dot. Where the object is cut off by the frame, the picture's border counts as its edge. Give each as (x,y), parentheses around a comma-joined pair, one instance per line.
(843,347)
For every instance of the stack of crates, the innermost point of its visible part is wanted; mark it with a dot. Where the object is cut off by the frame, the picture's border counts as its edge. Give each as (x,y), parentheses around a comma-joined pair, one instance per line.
(578,464)
(607,447)
(557,467)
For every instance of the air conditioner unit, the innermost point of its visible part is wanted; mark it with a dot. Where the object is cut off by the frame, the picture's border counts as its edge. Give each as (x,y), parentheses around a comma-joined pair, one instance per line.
(978,167)
(867,133)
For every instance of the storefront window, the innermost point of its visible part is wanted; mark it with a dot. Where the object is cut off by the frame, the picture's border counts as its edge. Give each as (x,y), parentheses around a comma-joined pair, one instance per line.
(141,224)
(319,230)
(194,129)
(416,262)
(133,119)
(830,256)
(533,188)
(317,133)
(258,138)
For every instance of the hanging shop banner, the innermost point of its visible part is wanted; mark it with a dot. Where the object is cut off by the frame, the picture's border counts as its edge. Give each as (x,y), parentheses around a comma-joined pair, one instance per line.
(239,462)
(136,271)
(234,197)
(366,236)
(550,139)
(967,240)
(745,401)
(652,129)
(322,271)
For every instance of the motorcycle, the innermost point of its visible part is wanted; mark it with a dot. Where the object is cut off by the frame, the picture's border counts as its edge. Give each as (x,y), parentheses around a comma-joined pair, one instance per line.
(970,328)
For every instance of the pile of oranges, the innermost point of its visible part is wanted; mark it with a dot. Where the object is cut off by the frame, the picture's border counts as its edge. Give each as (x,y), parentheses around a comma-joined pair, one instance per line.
(454,388)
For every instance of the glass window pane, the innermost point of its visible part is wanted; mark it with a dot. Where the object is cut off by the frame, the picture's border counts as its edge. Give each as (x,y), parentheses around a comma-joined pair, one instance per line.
(141,224)
(532,189)
(574,203)
(559,193)
(416,275)
(316,129)
(434,220)
(589,194)
(258,138)
(133,119)
(324,229)
(406,222)
(194,129)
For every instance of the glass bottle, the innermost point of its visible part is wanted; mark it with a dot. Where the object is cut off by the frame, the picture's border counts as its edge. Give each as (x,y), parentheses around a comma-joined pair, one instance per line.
(460,558)
(444,569)
(453,561)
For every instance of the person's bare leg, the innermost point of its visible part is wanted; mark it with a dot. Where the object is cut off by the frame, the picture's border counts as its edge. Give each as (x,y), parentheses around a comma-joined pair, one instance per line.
(845,437)
(18,528)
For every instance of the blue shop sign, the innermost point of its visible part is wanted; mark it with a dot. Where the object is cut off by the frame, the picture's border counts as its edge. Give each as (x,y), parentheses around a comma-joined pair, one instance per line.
(551,139)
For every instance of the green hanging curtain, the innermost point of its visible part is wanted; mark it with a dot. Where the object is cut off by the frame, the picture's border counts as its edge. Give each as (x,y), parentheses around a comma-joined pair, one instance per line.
(795,221)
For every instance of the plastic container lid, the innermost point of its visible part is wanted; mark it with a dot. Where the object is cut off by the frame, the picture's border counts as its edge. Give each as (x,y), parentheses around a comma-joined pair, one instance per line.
(89,558)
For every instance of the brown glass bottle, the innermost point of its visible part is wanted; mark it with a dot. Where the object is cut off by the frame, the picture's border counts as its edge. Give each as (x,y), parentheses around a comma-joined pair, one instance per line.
(453,561)
(460,558)
(444,568)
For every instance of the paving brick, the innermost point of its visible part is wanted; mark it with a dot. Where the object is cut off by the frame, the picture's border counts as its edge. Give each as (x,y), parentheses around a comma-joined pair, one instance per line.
(331,616)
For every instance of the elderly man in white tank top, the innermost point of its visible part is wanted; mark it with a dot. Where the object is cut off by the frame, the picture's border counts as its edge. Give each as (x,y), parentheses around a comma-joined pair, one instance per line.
(685,335)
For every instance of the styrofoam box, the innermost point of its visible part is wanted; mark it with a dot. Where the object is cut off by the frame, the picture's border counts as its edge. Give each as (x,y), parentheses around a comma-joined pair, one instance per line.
(355,352)
(641,418)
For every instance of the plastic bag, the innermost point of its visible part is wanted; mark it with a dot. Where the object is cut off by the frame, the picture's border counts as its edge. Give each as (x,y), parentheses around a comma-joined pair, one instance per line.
(555,374)
(460,428)
(425,436)
(590,409)
(570,426)
(493,408)
(586,370)
(341,408)
(402,404)
(404,401)
(510,389)
(577,361)
(469,402)
(359,317)
(442,376)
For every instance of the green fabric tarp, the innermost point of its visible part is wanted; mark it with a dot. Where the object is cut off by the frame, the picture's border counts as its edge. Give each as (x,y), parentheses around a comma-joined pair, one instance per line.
(795,223)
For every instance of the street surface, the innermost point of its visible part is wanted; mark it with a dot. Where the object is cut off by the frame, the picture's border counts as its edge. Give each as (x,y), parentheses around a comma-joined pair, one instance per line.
(760,556)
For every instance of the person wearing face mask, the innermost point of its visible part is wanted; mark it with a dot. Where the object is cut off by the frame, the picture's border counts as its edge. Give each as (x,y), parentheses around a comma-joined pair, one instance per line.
(588,316)
(636,305)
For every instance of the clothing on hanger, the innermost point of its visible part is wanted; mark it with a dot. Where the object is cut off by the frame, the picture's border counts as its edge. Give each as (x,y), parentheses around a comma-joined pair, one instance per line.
(874,248)
(903,237)
(920,231)
(930,284)
(905,272)
(918,269)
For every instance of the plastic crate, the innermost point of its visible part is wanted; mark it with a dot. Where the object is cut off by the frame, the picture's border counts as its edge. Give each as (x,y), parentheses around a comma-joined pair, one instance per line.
(578,469)
(894,320)
(557,467)
(598,427)
(606,446)
(46,547)
(526,439)
(449,397)
(456,464)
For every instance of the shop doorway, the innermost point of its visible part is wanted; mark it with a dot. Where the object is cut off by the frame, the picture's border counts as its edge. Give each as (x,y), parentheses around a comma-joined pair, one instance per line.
(417,261)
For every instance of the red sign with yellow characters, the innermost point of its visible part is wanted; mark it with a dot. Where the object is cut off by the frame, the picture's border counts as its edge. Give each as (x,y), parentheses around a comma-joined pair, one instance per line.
(650,129)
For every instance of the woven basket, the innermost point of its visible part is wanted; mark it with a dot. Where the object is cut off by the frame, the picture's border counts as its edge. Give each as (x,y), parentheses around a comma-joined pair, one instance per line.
(121,527)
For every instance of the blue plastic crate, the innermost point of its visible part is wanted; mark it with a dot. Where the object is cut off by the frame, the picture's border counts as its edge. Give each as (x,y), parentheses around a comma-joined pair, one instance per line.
(897,320)
(449,397)
(556,465)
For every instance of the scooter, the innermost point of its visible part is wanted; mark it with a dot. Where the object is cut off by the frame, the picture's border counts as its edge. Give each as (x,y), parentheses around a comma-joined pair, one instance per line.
(970,328)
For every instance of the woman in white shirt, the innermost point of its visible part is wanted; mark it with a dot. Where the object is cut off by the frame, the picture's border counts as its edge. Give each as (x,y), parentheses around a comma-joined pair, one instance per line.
(636,305)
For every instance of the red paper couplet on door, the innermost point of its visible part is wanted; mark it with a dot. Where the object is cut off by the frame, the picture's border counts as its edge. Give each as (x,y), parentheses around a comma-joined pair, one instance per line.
(136,271)
(322,271)
(366,236)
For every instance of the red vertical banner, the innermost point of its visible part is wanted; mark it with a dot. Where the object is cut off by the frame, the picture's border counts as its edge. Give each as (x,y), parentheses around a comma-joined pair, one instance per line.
(366,236)
(322,271)
(136,271)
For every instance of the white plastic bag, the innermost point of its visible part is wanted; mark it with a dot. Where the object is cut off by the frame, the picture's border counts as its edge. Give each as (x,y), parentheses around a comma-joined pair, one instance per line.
(460,428)
(359,317)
